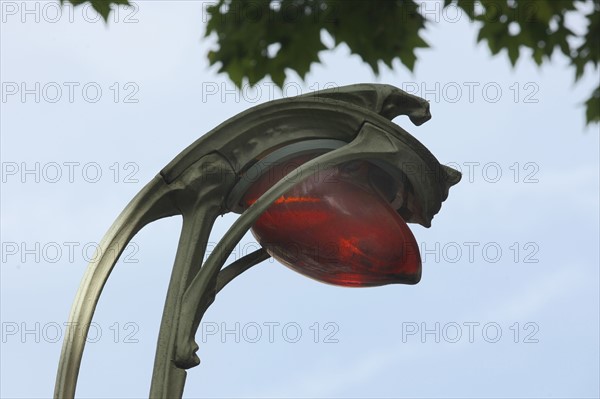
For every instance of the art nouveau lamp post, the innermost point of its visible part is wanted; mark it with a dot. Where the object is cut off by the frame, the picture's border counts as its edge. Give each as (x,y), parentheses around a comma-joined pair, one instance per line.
(325,181)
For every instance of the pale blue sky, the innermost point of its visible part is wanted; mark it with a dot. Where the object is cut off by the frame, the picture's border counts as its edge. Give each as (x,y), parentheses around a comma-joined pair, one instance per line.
(545,200)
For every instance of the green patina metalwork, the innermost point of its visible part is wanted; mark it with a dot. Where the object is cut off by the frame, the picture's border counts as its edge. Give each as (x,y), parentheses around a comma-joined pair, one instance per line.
(199,184)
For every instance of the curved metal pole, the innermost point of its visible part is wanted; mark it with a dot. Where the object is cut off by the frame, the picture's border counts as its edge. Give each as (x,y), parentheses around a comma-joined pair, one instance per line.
(168,380)
(150,204)
(200,198)
(240,266)
(196,196)
(193,239)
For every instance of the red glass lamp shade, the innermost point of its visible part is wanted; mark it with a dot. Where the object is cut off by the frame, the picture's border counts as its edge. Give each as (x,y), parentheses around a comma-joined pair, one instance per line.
(337,226)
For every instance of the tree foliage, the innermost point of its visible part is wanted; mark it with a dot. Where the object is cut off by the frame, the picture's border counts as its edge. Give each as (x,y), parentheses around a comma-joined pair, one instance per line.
(256,38)
(102,7)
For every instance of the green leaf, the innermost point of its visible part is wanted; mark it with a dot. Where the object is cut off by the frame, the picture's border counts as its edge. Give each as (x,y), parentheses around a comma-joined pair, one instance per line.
(592,111)
(278,77)
(468,6)
(538,56)
(235,72)
(102,7)
(513,53)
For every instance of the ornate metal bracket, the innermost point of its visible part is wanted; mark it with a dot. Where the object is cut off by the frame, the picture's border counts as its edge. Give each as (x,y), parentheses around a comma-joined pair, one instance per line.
(207,180)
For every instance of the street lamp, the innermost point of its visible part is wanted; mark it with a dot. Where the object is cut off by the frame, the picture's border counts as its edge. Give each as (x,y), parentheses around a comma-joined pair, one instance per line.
(325,181)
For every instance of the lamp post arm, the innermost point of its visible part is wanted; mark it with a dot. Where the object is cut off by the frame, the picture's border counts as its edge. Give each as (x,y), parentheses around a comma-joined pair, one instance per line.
(150,204)
(199,197)
(239,266)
